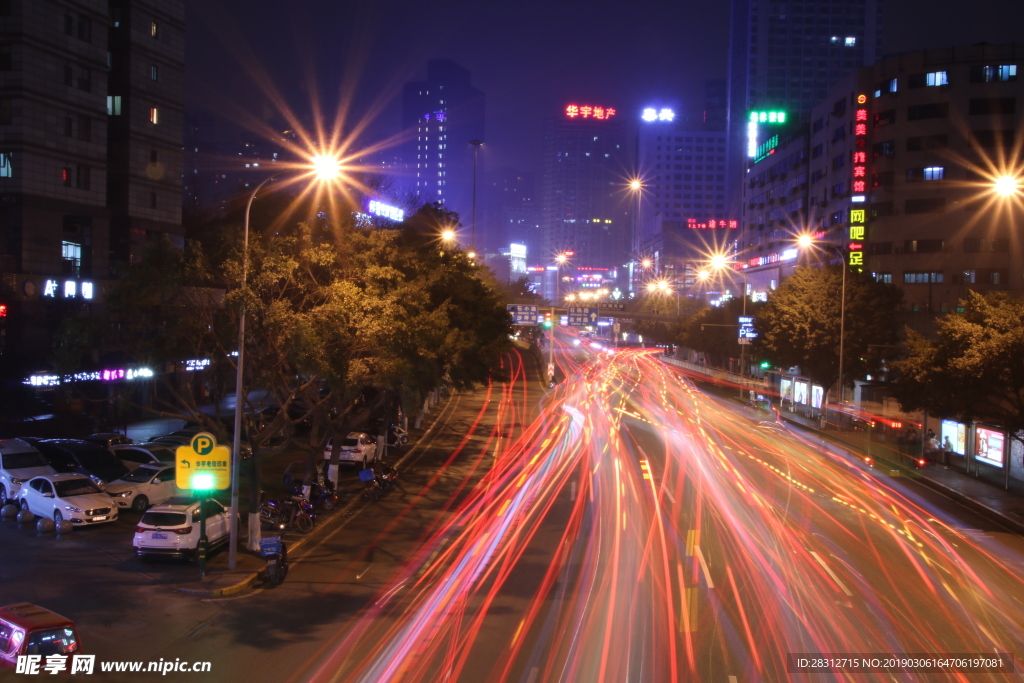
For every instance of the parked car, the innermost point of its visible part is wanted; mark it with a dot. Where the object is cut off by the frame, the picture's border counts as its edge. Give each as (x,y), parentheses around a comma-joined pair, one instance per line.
(27,629)
(107,439)
(357,447)
(172,529)
(67,496)
(82,457)
(19,462)
(133,455)
(184,438)
(144,486)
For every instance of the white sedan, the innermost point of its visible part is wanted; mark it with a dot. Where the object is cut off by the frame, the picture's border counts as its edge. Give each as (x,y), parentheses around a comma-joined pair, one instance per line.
(144,486)
(19,462)
(67,496)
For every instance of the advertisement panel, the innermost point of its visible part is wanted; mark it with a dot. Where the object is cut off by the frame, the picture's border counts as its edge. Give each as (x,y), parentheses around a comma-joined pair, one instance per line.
(786,389)
(800,395)
(953,437)
(988,446)
(817,393)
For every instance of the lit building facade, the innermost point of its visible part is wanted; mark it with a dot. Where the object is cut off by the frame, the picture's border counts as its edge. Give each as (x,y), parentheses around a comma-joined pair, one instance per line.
(443,114)
(786,56)
(584,202)
(90,152)
(680,211)
(901,161)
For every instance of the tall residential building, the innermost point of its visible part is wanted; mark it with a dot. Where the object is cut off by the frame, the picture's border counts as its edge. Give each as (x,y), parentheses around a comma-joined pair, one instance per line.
(584,204)
(513,212)
(785,55)
(897,169)
(443,114)
(681,211)
(90,151)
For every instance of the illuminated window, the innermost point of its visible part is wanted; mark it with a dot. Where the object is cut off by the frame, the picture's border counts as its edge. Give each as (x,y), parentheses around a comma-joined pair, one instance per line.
(5,165)
(71,253)
(990,74)
(154,115)
(850,41)
(154,29)
(154,72)
(936,78)
(934,173)
(113,105)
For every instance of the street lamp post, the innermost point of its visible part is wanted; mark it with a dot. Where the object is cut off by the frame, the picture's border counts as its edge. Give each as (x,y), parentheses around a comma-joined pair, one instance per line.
(324,168)
(476,151)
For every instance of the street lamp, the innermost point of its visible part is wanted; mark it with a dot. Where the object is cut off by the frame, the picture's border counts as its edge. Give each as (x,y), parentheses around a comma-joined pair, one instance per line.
(719,262)
(1006,185)
(323,168)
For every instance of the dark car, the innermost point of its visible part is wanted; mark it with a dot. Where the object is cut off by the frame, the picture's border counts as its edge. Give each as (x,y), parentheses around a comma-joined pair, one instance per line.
(107,439)
(82,457)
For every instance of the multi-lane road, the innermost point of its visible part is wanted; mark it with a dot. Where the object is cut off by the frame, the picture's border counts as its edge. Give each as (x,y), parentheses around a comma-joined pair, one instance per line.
(625,526)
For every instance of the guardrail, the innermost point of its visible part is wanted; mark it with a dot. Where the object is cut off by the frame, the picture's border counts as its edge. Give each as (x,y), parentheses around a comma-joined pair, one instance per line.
(721,376)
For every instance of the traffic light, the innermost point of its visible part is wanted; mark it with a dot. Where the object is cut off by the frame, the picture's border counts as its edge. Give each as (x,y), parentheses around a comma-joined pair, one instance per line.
(765,365)
(547,320)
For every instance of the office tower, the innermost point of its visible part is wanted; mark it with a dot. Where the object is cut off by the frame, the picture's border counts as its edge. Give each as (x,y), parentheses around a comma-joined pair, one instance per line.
(680,210)
(513,212)
(584,203)
(442,114)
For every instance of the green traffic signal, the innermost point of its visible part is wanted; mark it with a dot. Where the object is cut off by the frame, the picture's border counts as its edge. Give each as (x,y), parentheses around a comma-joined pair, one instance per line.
(202,481)
(765,365)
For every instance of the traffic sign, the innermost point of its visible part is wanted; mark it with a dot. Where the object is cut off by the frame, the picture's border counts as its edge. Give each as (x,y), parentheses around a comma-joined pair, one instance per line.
(747,331)
(582,317)
(523,315)
(203,465)
(551,369)
(612,305)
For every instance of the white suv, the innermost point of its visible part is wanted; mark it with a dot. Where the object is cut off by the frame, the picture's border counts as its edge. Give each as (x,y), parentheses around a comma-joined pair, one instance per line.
(357,447)
(172,529)
(19,462)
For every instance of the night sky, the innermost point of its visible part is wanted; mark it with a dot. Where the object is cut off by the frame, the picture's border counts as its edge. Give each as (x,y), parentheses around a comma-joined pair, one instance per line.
(529,58)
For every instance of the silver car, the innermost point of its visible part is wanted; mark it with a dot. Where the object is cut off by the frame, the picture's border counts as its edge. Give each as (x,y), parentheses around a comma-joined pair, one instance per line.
(19,462)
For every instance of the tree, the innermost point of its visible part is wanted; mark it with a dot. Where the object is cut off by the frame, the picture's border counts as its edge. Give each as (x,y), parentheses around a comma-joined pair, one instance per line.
(714,331)
(800,324)
(339,319)
(974,369)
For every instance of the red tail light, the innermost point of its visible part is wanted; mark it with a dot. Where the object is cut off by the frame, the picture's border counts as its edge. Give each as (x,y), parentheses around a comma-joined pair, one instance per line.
(184,531)
(141,529)
(921,463)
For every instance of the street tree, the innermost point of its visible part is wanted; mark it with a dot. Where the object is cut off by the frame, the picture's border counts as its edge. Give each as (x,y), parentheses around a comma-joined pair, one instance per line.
(339,320)
(800,324)
(713,331)
(973,370)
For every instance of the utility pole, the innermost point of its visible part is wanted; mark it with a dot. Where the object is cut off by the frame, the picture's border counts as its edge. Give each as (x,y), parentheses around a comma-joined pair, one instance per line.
(476,151)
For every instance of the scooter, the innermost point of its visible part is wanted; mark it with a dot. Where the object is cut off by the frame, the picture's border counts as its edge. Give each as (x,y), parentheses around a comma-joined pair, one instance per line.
(277,564)
(379,482)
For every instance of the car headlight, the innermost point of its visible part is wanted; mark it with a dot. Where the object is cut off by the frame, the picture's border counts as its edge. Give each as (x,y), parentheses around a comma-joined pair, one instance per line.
(71,508)
(123,494)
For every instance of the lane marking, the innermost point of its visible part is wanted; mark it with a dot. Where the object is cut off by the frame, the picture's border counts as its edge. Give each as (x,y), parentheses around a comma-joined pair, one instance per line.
(533,674)
(832,574)
(572,494)
(704,567)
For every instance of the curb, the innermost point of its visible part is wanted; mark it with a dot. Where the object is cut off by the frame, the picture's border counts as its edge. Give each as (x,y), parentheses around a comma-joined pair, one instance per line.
(301,541)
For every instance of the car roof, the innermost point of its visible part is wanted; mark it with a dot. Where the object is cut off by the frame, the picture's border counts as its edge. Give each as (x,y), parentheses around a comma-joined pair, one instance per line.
(148,446)
(178,504)
(76,445)
(16,446)
(61,476)
(28,616)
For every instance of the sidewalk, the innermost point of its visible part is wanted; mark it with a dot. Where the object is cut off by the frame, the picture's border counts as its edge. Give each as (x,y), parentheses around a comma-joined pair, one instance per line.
(999,505)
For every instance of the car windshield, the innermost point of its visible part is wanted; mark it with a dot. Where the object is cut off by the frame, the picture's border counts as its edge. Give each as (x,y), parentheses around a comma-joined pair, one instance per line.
(17,461)
(162,454)
(349,443)
(75,487)
(140,475)
(57,641)
(163,519)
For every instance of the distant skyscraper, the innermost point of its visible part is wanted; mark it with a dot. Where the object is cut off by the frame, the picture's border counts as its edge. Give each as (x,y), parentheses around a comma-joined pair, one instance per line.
(784,56)
(584,206)
(513,212)
(682,210)
(444,112)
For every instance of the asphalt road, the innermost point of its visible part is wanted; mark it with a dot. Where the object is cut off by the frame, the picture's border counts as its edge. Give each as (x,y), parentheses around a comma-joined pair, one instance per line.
(625,526)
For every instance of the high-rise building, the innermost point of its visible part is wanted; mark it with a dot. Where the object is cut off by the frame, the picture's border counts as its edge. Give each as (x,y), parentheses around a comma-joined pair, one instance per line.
(442,115)
(896,173)
(90,151)
(680,210)
(584,203)
(513,212)
(784,56)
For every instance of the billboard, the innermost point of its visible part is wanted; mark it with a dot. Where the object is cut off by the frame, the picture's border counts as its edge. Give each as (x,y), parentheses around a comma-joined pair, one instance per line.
(953,437)
(988,446)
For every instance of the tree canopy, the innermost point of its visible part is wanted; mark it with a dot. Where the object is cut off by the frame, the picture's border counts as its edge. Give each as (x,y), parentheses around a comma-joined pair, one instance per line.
(973,369)
(800,324)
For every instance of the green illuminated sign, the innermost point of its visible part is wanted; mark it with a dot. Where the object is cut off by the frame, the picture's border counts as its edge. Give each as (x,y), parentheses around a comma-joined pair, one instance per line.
(767,117)
(766,148)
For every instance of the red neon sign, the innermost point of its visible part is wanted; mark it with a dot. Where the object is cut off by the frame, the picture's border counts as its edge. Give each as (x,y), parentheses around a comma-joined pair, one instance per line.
(713,224)
(587,111)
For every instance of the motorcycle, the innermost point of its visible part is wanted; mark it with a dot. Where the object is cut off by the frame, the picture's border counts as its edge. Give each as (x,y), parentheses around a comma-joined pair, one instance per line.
(321,492)
(294,512)
(379,481)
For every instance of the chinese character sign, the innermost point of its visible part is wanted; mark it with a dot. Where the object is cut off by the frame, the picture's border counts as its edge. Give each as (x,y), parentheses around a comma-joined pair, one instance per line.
(587,111)
(712,224)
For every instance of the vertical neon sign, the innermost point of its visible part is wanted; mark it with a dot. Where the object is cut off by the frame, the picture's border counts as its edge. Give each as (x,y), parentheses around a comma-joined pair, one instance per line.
(857,233)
